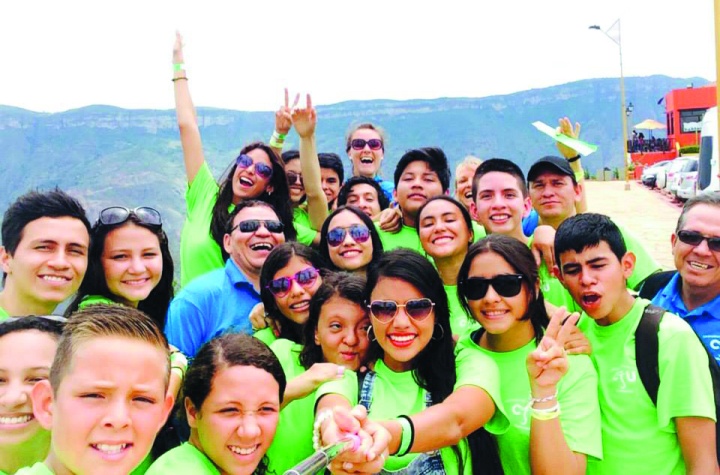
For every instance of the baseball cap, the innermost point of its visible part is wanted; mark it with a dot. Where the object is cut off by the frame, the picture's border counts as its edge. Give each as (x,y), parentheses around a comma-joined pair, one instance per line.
(553,164)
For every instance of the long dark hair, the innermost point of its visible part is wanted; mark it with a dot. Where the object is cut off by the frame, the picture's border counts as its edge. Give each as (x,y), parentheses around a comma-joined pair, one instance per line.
(520,258)
(374,236)
(157,302)
(341,284)
(434,367)
(232,349)
(276,260)
(279,198)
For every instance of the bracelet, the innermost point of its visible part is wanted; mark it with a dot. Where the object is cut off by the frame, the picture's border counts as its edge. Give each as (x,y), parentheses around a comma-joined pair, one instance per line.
(408,435)
(546,414)
(574,159)
(279,136)
(533,400)
(183,78)
(322,417)
(276,143)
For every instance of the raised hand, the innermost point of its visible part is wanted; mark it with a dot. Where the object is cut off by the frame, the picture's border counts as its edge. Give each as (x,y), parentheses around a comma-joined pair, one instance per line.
(566,128)
(283,117)
(548,363)
(304,119)
(178,49)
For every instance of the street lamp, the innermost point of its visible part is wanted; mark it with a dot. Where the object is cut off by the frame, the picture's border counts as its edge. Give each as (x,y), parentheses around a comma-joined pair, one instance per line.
(623,111)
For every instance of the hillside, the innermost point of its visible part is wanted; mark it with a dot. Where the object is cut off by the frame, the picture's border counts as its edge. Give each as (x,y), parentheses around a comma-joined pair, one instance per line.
(112,156)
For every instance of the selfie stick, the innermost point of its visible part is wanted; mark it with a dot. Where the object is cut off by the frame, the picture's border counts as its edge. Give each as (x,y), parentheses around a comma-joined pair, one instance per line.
(322,458)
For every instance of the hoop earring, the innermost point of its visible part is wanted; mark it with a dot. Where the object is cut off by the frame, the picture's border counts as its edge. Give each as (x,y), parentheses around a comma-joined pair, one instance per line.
(442,332)
(369,332)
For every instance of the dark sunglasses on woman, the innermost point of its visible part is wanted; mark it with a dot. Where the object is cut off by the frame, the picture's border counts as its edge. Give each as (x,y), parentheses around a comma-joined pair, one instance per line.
(281,286)
(506,285)
(386,310)
(246,161)
(359,232)
(359,144)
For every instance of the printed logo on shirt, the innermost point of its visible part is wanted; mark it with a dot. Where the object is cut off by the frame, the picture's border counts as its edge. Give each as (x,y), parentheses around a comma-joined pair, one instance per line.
(713,344)
(625,377)
(521,411)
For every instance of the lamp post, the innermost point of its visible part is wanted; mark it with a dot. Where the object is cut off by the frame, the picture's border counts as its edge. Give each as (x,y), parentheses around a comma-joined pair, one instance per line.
(623,112)
(628,112)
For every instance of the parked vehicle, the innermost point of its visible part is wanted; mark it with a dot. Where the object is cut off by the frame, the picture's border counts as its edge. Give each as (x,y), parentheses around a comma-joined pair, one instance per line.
(708,173)
(676,172)
(649,174)
(688,186)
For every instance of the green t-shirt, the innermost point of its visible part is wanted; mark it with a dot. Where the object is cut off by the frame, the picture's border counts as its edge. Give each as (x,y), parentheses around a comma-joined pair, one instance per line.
(3,314)
(577,396)
(460,321)
(144,466)
(37,469)
(406,237)
(303,226)
(396,394)
(639,437)
(183,460)
(554,292)
(478,231)
(199,253)
(293,438)
(95,299)
(265,335)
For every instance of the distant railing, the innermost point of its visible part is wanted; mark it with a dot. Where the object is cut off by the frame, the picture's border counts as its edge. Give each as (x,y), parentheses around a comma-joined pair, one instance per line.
(649,145)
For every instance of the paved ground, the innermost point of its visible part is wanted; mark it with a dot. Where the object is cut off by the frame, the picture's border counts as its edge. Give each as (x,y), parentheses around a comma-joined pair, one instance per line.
(646,213)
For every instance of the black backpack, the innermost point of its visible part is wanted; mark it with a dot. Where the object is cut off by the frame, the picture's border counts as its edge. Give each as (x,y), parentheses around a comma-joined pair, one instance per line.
(646,356)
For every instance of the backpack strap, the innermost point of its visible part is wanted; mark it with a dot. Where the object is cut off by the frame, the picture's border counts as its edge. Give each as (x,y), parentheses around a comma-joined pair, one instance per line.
(646,349)
(651,286)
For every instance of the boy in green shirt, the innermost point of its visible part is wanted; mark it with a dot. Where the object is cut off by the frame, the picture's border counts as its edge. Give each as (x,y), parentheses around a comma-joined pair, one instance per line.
(678,435)
(45,238)
(106,397)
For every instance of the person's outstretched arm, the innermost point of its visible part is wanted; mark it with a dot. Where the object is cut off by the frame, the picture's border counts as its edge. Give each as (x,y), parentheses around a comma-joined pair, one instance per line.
(305,121)
(569,153)
(186,115)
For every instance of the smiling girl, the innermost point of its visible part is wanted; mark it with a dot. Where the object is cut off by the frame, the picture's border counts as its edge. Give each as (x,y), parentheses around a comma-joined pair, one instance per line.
(419,389)
(349,240)
(257,173)
(498,285)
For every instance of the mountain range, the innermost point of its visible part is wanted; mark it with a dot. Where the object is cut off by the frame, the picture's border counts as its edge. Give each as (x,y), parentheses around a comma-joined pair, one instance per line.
(111,156)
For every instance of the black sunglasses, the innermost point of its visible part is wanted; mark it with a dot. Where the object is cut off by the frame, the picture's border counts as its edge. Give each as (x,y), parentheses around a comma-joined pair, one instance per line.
(264,171)
(293,177)
(359,144)
(506,285)
(280,287)
(694,238)
(252,225)
(119,214)
(386,310)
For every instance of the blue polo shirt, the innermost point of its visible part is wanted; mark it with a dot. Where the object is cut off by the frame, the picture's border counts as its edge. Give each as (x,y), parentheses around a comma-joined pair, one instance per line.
(212,304)
(530,222)
(387,186)
(705,320)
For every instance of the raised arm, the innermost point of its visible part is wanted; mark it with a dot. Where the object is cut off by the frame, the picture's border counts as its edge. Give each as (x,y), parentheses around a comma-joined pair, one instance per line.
(549,451)
(283,123)
(304,121)
(186,115)
(569,153)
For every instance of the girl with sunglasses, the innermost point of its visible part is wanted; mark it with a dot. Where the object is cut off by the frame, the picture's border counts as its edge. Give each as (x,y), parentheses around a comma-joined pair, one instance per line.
(231,428)
(365,146)
(418,387)
(23,441)
(498,285)
(257,173)
(334,339)
(446,231)
(349,240)
(289,278)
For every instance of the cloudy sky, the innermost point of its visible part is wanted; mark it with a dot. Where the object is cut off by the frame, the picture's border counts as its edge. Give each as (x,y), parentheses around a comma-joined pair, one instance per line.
(58,55)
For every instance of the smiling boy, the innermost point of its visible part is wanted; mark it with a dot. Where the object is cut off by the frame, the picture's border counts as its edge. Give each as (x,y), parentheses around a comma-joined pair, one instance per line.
(106,397)
(678,435)
(45,238)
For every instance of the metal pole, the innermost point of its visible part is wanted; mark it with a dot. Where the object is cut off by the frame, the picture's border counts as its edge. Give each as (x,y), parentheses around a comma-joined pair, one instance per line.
(717,57)
(622,110)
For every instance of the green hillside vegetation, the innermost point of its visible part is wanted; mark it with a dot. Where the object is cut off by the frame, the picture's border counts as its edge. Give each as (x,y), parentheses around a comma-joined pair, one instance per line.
(111,156)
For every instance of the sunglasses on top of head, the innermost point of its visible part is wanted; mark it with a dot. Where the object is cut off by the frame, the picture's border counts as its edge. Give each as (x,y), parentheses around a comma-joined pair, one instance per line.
(385,311)
(358,232)
(505,285)
(119,214)
(246,161)
(280,287)
(694,238)
(251,225)
(359,144)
